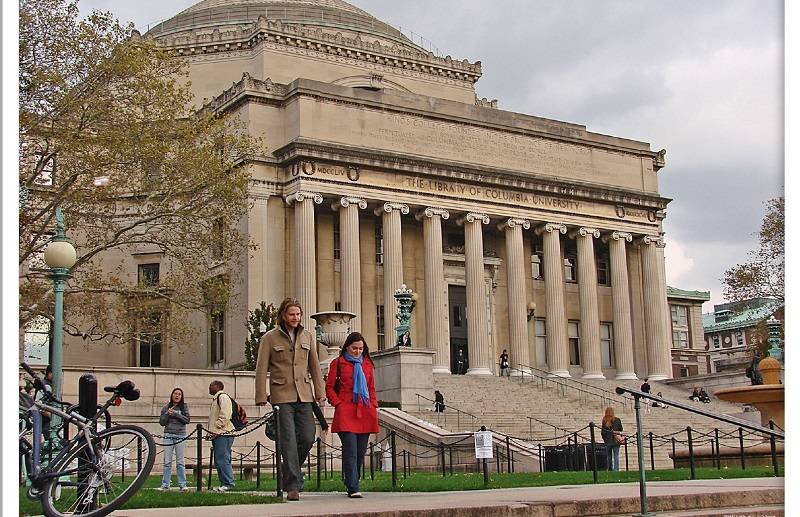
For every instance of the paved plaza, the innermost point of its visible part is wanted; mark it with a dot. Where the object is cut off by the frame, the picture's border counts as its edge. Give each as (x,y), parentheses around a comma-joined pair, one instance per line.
(477,502)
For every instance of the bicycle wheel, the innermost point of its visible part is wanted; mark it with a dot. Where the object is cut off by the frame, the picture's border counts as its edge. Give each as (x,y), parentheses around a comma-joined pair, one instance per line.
(125,457)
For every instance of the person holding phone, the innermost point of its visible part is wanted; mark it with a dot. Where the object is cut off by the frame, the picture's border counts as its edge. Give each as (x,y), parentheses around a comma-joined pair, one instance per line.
(174,417)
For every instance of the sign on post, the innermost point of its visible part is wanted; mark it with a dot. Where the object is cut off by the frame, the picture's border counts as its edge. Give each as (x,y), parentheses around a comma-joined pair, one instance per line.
(483,445)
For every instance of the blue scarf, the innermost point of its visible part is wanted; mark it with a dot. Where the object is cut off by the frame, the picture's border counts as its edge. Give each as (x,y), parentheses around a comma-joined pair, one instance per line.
(360,392)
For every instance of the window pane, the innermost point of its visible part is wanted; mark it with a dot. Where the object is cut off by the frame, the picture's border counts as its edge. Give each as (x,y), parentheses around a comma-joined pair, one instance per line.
(541,343)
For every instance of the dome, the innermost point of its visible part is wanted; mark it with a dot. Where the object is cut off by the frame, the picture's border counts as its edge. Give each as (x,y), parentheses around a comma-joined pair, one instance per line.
(321,13)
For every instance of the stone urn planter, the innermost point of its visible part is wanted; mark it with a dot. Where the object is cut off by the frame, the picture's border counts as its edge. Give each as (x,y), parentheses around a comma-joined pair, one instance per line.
(332,329)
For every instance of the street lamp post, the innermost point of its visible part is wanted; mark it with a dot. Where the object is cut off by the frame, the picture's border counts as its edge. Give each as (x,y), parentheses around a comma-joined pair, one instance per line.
(59,256)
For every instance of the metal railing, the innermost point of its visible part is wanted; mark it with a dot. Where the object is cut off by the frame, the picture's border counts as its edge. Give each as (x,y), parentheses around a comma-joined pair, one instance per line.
(585,391)
(443,415)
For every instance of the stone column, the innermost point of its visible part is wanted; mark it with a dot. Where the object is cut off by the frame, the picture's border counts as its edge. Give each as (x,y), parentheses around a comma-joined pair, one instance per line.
(517,300)
(556,322)
(587,289)
(667,349)
(620,294)
(305,264)
(655,313)
(435,311)
(350,257)
(477,323)
(392,264)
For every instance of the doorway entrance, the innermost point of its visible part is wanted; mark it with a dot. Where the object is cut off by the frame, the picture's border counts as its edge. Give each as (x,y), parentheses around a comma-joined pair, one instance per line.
(459,356)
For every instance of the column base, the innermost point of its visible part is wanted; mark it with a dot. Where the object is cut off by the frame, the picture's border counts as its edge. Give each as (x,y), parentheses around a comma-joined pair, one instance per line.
(593,376)
(657,377)
(626,377)
(479,371)
(559,373)
(441,369)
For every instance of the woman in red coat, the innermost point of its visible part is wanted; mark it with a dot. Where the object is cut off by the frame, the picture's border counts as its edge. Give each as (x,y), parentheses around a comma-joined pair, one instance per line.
(351,390)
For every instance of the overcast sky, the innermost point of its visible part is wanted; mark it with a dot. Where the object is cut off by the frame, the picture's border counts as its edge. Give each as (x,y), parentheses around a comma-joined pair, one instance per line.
(702,79)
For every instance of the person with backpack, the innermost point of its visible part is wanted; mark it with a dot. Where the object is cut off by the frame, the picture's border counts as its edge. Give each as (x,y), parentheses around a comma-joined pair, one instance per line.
(351,390)
(220,427)
(288,353)
(174,417)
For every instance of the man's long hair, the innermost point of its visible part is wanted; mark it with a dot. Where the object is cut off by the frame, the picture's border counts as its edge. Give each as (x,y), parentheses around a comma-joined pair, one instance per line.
(286,304)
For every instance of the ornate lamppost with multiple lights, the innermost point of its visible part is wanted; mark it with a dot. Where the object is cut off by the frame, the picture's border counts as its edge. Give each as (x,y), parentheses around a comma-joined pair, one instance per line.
(406,301)
(60,256)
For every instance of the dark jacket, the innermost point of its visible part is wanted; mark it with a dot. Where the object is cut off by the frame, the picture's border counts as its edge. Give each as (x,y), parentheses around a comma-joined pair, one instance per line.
(608,432)
(175,424)
(349,416)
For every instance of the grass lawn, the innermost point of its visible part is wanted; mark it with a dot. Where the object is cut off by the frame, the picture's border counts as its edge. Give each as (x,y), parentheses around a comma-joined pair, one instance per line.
(149,497)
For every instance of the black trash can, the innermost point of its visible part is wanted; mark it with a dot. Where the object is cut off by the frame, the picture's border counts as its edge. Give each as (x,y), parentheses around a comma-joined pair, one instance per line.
(600,456)
(555,458)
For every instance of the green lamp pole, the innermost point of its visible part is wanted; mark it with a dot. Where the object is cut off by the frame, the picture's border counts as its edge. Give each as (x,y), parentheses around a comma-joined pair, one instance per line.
(59,256)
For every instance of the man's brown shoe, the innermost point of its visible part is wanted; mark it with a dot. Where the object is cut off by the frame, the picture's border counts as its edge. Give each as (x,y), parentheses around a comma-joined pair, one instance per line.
(293,495)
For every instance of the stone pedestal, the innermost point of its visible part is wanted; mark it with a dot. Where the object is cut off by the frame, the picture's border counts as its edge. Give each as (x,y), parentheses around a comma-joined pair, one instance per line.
(413,365)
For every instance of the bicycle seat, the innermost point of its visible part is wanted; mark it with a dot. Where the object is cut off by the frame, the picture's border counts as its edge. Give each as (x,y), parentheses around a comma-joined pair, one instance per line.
(125,389)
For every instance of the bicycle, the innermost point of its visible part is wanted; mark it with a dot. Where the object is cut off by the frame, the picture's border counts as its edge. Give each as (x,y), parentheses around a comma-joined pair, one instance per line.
(88,475)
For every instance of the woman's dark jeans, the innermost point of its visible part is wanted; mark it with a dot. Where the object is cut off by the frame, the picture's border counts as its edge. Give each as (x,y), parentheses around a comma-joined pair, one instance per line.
(354,446)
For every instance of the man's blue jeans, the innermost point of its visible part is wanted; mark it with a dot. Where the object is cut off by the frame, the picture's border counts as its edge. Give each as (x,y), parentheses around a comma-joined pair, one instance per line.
(354,446)
(222,459)
(177,443)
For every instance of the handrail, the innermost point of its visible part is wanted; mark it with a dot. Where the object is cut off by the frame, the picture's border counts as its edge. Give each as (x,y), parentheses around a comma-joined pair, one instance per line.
(447,406)
(589,389)
(715,416)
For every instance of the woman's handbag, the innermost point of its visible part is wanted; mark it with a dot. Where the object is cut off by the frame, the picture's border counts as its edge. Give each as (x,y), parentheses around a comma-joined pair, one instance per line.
(619,439)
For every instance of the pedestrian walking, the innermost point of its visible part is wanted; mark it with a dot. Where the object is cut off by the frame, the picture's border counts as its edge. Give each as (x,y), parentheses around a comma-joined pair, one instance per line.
(174,417)
(220,425)
(289,354)
(461,363)
(351,390)
(611,431)
(645,388)
(504,367)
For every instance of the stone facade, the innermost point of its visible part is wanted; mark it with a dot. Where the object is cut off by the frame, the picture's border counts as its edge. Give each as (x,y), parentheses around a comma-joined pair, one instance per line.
(380,167)
(689,353)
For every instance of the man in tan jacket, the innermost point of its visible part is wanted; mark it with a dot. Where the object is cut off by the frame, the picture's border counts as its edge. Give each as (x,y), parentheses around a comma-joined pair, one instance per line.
(289,354)
(219,423)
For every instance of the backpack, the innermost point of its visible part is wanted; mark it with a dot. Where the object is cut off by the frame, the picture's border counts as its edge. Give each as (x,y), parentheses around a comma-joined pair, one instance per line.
(238,415)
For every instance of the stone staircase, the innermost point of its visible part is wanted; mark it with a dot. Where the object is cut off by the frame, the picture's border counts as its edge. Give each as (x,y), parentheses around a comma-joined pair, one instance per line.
(545,411)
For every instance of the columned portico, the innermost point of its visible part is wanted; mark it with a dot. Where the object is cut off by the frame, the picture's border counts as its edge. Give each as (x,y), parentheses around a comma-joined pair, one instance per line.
(304,252)
(477,324)
(350,257)
(590,318)
(392,262)
(515,270)
(556,322)
(655,313)
(435,310)
(620,293)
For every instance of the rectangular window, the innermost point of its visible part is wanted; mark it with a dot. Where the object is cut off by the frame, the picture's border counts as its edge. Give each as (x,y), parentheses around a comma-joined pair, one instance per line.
(570,261)
(381,322)
(684,372)
(541,342)
(149,273)
(217,239)
(537,260)
(680,339)
(607,345)
(337,242)
(457,319)
(716,341)
(573,332)
(149,339)
(679,315)
(602,261)
(378,243)
(739,338)
(337,306)
(217,337)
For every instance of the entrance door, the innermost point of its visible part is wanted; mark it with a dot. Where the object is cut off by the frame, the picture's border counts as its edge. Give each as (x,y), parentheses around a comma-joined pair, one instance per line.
(459,356)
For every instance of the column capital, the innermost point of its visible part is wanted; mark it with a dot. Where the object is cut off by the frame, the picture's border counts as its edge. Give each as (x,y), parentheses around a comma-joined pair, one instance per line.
(513,222)
(551,227)
(389,207)
(471,217)
(346,201)
(432,211)
(585,231)
(302,195)
(652,239)
(618,236)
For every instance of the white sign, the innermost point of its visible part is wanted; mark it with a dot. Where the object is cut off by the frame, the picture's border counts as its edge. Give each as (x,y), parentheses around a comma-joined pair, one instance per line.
(36,350)
(483,445)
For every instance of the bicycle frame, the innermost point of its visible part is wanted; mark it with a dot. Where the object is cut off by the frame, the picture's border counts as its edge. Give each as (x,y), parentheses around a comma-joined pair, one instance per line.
(37,474)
